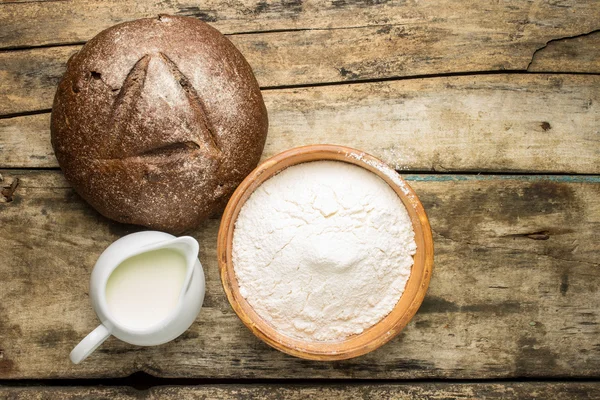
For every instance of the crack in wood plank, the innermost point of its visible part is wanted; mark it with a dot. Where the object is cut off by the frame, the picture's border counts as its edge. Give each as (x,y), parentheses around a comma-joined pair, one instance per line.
(535,53)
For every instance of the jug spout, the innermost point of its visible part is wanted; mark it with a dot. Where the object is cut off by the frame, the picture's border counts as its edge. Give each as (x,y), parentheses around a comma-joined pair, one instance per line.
(189,247)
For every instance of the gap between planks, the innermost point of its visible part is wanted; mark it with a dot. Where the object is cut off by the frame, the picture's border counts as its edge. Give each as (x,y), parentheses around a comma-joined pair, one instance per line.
(415,175)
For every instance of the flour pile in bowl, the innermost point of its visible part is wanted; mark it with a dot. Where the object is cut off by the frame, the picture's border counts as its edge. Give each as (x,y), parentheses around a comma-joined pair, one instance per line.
(323,250)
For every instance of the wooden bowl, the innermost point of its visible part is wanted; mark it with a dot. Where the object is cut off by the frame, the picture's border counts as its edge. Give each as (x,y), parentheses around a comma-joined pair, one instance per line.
(379,333)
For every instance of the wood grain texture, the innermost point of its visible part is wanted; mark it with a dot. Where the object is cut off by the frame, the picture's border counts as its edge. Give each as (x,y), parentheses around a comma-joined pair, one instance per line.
(26,141)
(513,294)
(532,123)
(411,391)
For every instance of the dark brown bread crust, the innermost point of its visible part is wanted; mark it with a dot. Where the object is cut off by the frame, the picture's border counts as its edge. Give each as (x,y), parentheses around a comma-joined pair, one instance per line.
(156,122)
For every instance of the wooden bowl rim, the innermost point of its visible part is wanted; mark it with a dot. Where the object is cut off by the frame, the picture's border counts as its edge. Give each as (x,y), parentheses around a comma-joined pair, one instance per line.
(371,338)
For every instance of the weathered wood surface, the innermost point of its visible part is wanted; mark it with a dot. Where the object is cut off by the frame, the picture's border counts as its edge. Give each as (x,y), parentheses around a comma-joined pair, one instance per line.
(533,123)
(495,27)
(514,291)
(411,391)
(29,77)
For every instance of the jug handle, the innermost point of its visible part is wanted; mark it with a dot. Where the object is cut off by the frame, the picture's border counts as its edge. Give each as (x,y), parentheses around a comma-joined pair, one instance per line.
(89,343)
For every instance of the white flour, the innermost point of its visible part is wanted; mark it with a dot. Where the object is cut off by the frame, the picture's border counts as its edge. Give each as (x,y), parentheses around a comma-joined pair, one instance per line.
(323,250)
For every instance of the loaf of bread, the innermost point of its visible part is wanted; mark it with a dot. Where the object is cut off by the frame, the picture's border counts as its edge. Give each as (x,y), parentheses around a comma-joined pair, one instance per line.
(156,122)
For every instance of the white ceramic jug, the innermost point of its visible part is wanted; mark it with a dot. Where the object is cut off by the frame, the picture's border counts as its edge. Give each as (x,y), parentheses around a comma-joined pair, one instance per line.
(182,316)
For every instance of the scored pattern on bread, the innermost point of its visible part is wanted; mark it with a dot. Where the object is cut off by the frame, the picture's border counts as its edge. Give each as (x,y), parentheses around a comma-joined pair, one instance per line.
(131,89)
(126,106)
(196,103)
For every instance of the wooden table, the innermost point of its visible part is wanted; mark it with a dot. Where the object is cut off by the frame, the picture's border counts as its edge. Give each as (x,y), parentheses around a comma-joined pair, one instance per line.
(491,110)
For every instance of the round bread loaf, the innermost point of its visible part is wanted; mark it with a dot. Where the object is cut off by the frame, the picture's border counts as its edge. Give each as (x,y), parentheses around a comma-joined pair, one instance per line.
(157,121)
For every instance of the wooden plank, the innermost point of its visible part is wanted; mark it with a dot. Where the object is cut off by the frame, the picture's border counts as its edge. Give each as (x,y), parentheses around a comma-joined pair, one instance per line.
(513,294)
(528,123)
(578,54)
(332,55)
(391,391)
(29,78)
(26,141)
(493,24)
